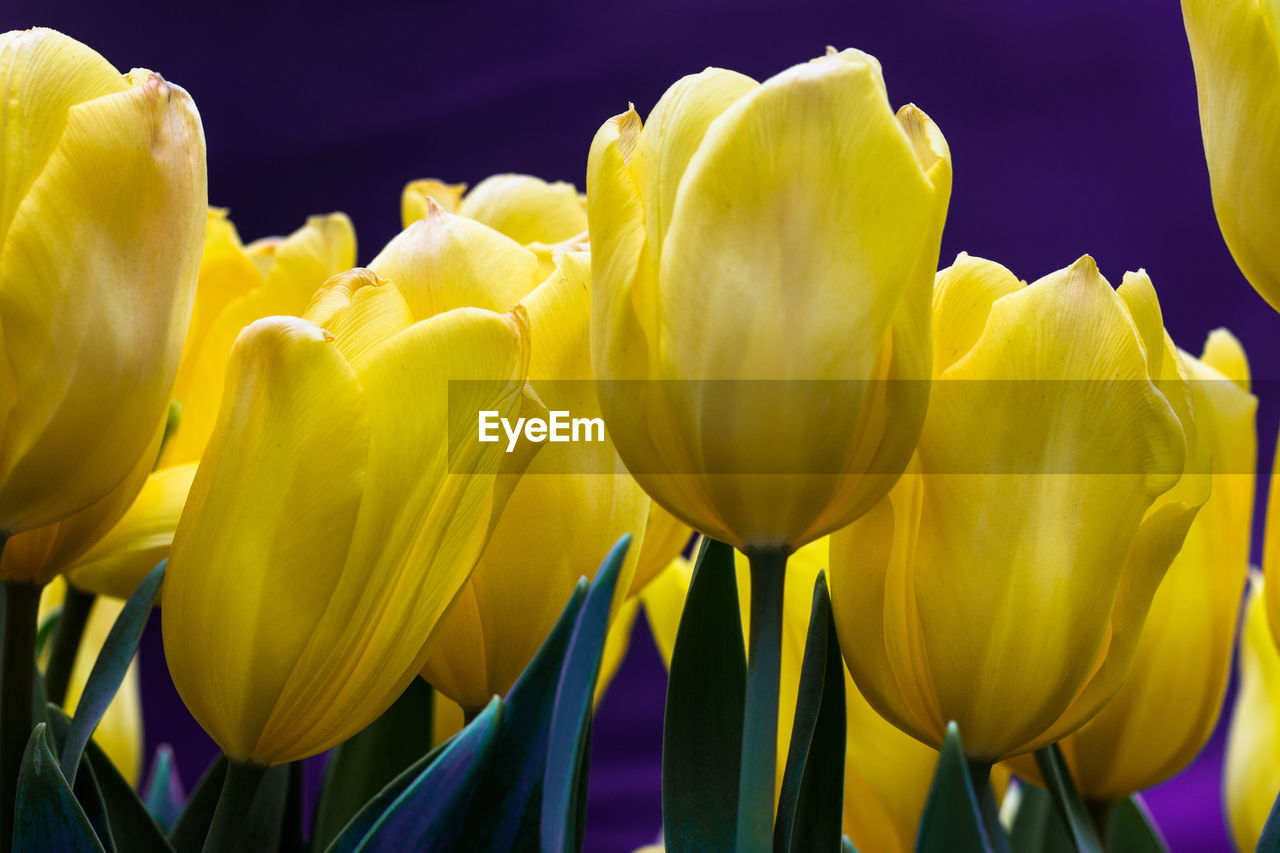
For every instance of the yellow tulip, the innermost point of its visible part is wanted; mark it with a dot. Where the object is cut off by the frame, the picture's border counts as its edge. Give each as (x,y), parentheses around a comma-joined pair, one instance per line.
(1167,708)
(785,231)
(665,537)
(1252,773)
(120,731)
(575,499)
(102,194)
(1004,581)
(1235,47)
(887,773)
(237,285)
(335,515)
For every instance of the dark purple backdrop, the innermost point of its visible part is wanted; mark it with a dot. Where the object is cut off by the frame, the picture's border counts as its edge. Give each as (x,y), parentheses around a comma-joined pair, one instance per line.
(1073,129)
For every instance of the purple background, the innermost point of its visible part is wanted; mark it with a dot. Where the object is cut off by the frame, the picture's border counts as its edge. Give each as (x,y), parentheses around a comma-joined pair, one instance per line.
(1073,129)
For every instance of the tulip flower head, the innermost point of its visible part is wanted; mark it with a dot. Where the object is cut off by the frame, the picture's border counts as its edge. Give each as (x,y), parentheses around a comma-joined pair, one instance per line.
(759,252)
(1004,581)
(1252,775)
(102,200)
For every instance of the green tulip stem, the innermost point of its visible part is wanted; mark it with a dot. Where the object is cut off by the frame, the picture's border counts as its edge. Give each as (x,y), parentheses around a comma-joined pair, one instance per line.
(238,790)
(1100,814)
(17,687)
(66,642)
(758,769)
(980,775)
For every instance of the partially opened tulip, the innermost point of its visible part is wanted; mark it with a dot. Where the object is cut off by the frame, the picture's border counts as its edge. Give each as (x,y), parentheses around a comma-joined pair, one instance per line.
(1252,775)
(762,256)
(573,502)
(1005,580)
(529,210)
(102,197)
(1168,706)
(1235,47)
(334,519)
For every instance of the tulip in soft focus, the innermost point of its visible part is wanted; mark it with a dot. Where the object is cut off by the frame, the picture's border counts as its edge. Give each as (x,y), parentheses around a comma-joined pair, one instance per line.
(331,526)
(887,773)
(1235,47)
(785,231)
(1168,706)
(1252,773)
(120,731)
(1004,581)
(529,210)
(102,198)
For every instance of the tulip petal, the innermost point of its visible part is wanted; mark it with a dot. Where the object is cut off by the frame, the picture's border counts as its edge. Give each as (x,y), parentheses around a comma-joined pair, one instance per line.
(963,294)
(93,364)
(140,539)
(417,195)
(267,527)
(422,524)
(445,261)
(1253,743)
(526,209)
(360,310)
(300,264)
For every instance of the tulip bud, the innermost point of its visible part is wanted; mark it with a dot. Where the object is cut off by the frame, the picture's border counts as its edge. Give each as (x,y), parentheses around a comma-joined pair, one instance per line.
(329,527)
(1252,774)
(1164,713)
(1236,55)
(102,196)
(785,232)
(1004,581)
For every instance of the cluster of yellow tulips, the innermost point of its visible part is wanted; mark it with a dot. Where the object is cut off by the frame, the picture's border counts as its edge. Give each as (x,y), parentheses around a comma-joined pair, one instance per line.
(1020,510)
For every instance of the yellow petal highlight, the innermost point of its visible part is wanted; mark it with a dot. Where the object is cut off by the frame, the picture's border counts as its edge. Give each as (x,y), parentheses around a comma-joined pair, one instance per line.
(101,227)
(417,196)
(1252,771)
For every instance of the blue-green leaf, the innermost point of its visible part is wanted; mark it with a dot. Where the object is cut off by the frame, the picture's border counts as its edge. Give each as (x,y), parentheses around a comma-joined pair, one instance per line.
(1131,828)
(701,739)
(564,786)
(846,846)
(363,766)
(164,796)
(46,814)
(1037,826)
(188,831)
(812,800)
(109,669)
(420,817)
(952,820)
(1057,779)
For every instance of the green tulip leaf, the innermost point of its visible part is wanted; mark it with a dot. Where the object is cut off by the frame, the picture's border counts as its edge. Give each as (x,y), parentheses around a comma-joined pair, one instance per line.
(109,669)
(163,796)
(812,798)
(701,739)
(363,766)
(192,824)
(1132,830)
(564,784)
(1037,826)
(47,815)
(846,846)
(1057,778)
(952,821)
(419,818)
